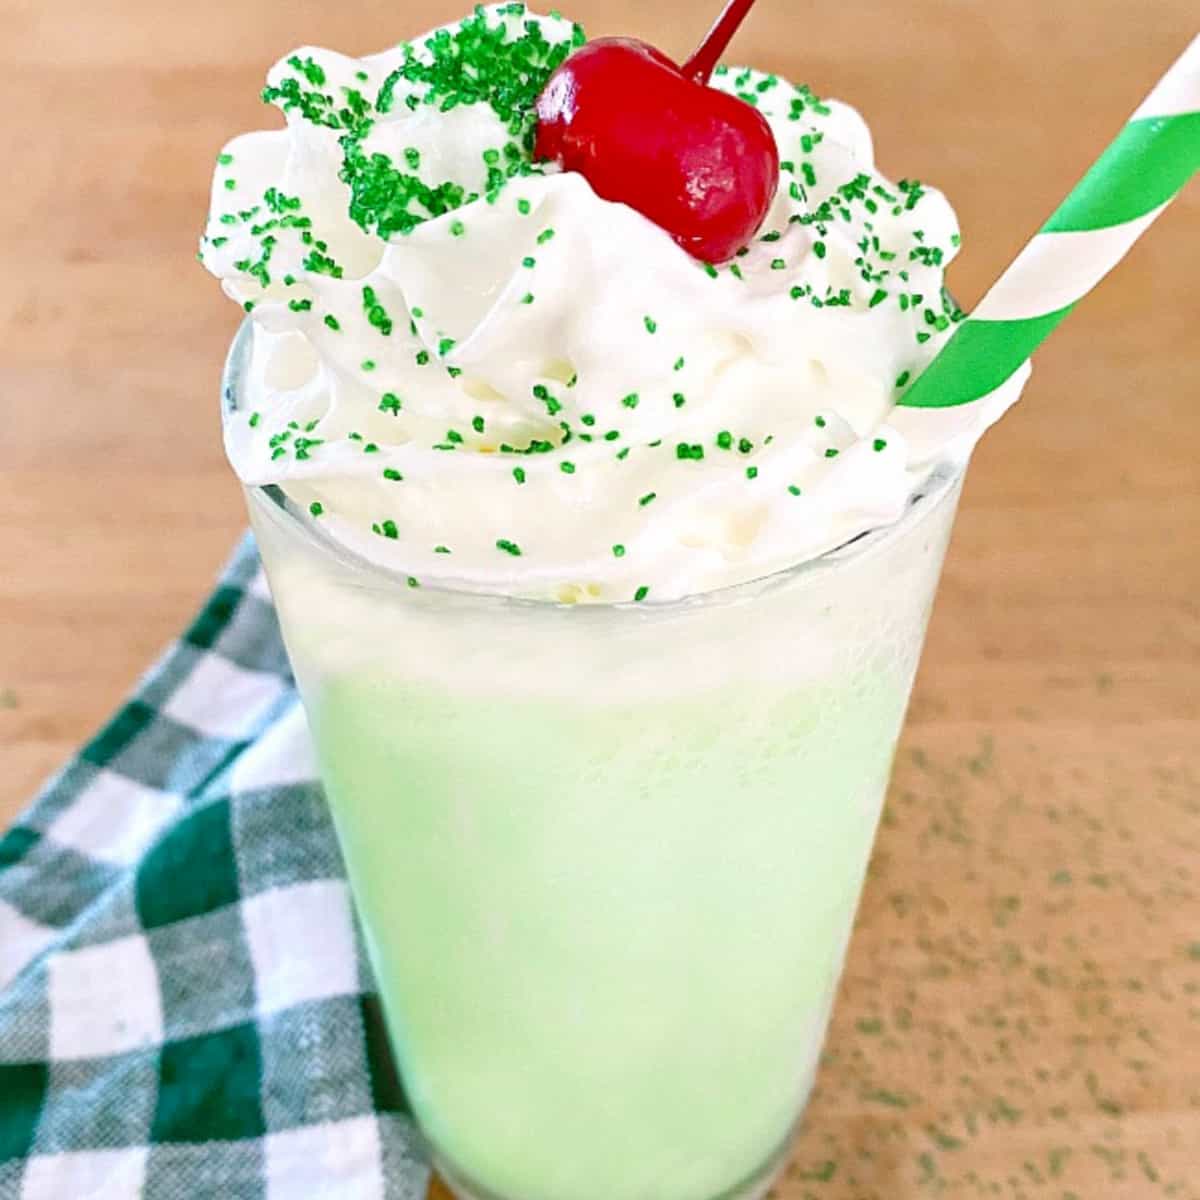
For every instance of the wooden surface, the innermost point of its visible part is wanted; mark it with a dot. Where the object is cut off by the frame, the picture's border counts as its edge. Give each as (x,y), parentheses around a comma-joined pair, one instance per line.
(1021,1010)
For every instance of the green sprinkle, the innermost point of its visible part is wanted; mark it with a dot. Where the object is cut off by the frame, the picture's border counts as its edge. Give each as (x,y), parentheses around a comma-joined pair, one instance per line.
(316,508)
(224,159)
(441,550)
(310,69)
(618,551)
(710,270)
(523,207)
(422,358)
(519,474)
(529,262)
(879,444)
(623,454)
(319,263)
(509,547)
(544,236)
(878,298)
(641,594)
(390,473)
(751,472)
(819,249)
(903,378)
(230,185)
(370,448)
(300,305)
(527,298)
(651,324)
(542,393)
(693,451)
(457,228)
(333,323)
(389,402)
(368,364)
(612,435)
(647,498)
(567,468)
(795,491)
(777,264)
(387,529)
(254,419)
(413,582)
(832,453)
(745,445)
(631,401)
(679,363)
(679,399)
(477,424)
(724,439)
(445,345)
(820,422)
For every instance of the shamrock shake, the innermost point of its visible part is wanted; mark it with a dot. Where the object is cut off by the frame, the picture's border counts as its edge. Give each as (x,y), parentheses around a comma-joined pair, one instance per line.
(604,567)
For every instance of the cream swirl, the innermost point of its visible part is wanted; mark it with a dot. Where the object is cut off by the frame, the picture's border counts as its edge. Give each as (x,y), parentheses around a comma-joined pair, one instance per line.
(477,372)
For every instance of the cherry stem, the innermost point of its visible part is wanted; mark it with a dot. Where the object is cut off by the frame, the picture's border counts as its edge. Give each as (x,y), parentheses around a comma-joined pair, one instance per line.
(702,64)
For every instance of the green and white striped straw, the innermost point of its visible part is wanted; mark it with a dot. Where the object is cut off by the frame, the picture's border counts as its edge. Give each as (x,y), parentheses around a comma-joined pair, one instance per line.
(1131,183)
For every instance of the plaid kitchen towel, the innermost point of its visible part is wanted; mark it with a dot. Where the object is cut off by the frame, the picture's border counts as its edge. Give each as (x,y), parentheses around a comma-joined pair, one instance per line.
(185,1009)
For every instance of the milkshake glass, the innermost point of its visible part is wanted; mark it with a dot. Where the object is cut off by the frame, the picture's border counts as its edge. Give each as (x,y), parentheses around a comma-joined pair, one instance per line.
(606,857)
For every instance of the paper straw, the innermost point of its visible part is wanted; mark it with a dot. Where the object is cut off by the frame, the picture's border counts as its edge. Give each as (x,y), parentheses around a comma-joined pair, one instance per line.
(1131,183)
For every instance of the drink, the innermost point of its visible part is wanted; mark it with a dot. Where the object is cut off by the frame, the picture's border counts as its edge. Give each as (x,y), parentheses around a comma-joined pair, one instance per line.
(607,869)
(605,762)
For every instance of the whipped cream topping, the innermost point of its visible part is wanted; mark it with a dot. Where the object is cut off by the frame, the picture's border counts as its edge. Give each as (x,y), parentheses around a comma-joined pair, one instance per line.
(474,371)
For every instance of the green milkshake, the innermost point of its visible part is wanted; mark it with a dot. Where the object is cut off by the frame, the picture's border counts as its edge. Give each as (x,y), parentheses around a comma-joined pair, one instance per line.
(604,572)
(607,867)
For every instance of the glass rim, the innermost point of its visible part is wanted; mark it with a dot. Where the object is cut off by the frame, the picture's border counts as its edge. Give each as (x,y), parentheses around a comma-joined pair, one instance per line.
(925,499)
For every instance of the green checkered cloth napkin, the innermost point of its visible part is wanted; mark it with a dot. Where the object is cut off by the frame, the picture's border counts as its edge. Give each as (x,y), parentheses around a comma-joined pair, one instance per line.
(185,1008)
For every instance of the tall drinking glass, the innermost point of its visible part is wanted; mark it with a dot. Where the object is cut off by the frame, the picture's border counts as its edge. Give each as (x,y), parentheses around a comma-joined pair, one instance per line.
(606,857)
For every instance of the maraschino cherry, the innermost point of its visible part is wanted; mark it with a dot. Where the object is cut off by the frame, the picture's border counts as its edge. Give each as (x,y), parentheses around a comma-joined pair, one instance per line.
(699,162)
